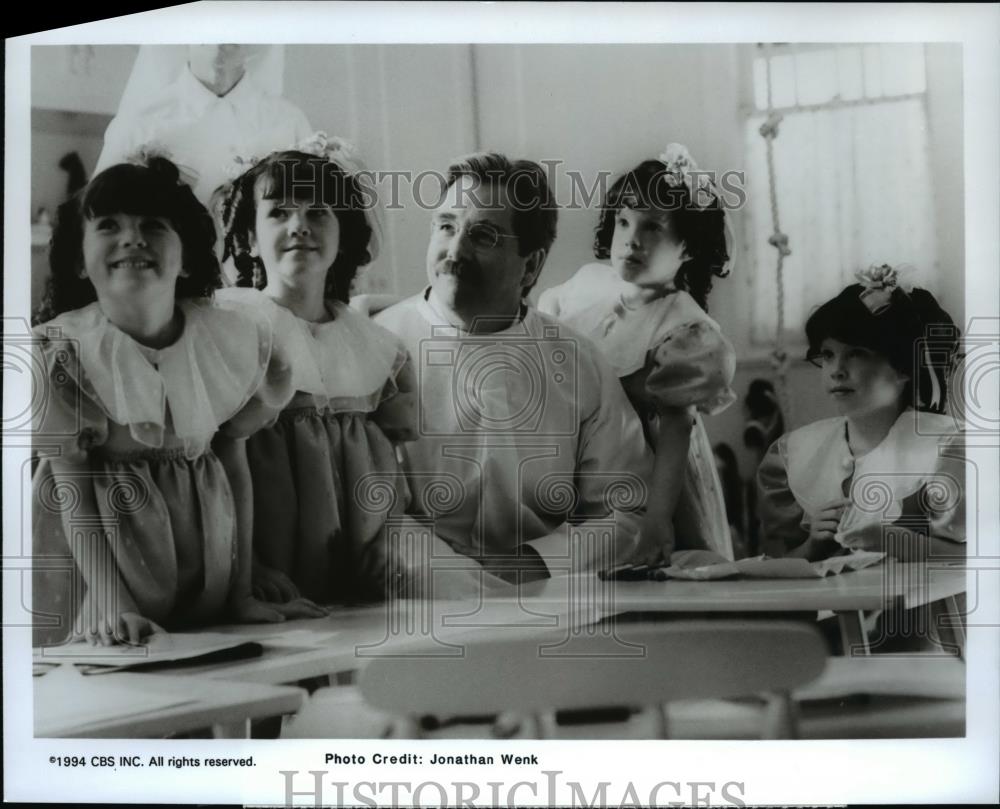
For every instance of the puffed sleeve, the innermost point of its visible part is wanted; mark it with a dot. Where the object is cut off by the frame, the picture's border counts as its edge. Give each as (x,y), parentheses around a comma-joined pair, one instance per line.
(694,365)
(271,389)
(782,518)
(944,492)
(66,413)
(548,301)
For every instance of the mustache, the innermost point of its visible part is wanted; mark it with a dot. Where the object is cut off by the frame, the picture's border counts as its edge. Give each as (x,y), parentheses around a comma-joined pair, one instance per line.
(458,268)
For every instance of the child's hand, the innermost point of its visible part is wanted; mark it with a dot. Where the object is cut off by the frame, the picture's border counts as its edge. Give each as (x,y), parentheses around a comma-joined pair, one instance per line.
(826,521)
(452,585)
(656,542)
(127,628)
(869,537)
(270,584)
(301,608)
(253,611)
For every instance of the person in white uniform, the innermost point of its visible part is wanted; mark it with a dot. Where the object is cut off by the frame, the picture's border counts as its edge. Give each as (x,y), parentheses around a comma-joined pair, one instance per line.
(529,457)
(206,106)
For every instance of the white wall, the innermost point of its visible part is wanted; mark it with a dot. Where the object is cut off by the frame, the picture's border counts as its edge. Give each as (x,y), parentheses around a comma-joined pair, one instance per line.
(408,108)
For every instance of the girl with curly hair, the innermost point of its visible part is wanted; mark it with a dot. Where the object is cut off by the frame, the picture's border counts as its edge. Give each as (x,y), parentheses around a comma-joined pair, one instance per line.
(663,228)
(148,392)
(299,224)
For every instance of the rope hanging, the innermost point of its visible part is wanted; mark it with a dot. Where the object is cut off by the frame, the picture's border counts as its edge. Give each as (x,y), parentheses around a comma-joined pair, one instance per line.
(779,241)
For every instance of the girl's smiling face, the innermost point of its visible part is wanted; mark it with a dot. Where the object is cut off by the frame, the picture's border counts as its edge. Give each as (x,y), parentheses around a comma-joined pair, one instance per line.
(129,254)
(644,250)
(858,379)
(294,238)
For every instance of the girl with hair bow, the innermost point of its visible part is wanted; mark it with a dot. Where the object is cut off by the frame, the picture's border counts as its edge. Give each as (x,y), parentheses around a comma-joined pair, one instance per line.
(887,473)
(663,228)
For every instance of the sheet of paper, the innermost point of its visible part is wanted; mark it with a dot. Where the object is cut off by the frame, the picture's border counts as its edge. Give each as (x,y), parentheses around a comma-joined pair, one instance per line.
(67,701)
(300,637)
(761,567)
(856,560)
(161,648)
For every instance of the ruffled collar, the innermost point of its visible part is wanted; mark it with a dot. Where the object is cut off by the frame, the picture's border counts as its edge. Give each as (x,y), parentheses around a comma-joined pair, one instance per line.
(195,385)
(820,460)
(625,320)
(347,356)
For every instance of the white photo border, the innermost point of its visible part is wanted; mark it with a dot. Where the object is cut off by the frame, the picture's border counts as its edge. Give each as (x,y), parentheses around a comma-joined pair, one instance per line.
(831,772)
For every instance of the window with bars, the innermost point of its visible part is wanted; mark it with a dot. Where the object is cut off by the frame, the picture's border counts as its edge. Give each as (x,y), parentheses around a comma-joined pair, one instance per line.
(852,172)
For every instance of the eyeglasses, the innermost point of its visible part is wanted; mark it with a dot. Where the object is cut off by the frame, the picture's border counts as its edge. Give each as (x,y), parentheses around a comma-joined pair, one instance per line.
(482,235)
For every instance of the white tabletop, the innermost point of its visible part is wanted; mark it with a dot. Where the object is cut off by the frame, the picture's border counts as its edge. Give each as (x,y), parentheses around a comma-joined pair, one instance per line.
(349,636)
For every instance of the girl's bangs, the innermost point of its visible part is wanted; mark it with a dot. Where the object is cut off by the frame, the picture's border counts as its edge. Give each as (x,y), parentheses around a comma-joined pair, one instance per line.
(847,320)
(302,177)
(645,191)
(128,189)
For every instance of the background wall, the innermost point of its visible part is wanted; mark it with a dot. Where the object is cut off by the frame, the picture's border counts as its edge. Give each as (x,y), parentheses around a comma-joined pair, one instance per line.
(604,108)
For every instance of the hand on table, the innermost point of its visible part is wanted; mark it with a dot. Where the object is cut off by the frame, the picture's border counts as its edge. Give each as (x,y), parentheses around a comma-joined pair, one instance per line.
(126,628)
(114,621)
(270,584)
(656,543)
(457,585)
(252,611)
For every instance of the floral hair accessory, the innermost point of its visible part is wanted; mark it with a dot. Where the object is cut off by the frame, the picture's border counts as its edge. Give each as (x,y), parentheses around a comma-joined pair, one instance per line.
(681,168)
(879,282)
(319,144)
(329,147)
(144,154)
(239,166)
(148,151)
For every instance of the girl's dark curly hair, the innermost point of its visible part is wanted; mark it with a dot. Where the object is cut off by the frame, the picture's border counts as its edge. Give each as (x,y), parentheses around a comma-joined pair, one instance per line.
(153,189)
(702,230)
(292,175)
(912,328)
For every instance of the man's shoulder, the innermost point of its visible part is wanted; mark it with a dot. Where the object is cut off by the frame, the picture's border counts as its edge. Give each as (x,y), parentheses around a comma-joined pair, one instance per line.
(399,315)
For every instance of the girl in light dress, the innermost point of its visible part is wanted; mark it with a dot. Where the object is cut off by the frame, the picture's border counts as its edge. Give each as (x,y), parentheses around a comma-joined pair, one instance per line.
(299,224)
(887,473)
(662,226)
(146,394)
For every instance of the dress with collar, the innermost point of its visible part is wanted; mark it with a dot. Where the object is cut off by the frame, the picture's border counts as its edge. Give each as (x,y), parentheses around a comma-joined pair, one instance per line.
(325,475)
(204,132)
(139,423)
(665,350)
(915,478)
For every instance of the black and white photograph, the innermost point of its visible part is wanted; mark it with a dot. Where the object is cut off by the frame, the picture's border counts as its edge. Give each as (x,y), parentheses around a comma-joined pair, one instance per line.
(503,404)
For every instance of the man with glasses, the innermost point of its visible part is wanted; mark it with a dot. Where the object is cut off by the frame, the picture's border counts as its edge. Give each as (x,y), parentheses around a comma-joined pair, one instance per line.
(529,458)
